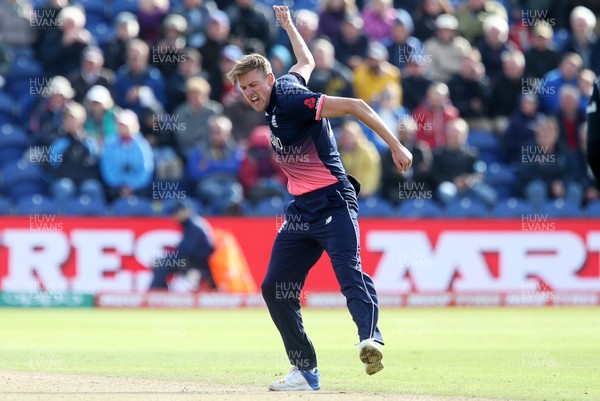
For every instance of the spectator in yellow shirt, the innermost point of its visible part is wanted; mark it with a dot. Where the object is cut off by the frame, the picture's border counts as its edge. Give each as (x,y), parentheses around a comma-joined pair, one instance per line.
(376,74)
(360,157)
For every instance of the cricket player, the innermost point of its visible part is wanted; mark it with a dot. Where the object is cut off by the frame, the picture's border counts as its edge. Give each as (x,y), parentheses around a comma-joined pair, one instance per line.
(324,213)
(593,139)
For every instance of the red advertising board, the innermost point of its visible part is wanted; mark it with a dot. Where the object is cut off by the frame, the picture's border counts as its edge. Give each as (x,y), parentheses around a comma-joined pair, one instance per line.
(90,255)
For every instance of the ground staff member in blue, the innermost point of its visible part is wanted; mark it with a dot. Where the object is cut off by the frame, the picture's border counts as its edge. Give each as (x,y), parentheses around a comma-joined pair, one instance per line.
(323,214)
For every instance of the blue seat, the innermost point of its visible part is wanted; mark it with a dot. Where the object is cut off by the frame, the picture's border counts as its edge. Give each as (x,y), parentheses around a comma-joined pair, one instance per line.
(560,208)
(21,179)
(467,208)
(129,5)
(512,207)
(417,208)
(501,178)
(85,205)
(374,206)
(5,207)
(102,31)
(36,204)
(13,143)
(132,206)
(593,209)
(269,207)
(94,7)
(6,103)
(24,67)
(487,144)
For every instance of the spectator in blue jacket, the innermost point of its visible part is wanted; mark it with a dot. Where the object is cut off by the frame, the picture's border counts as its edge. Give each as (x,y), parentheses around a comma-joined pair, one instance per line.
(190,257)
(583,40)
(138,83)
(127,163)
(566,73)
(215,168)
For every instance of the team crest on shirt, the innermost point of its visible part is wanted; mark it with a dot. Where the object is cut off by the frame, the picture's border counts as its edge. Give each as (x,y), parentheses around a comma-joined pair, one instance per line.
(310,103)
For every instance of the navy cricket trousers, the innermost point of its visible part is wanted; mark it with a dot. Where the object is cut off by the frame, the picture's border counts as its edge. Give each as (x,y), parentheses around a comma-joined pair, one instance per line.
(321,220)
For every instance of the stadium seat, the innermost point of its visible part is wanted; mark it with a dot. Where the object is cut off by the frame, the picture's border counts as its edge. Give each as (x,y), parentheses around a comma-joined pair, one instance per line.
(85,205)
(417,208)
(501,178)
(374,206)
(95,7)
(593,209)
(487,144)
(512,207)
(131,6)
(5,207)
(6,103)
(13,143)
(269,207)
(24,67)
(466,207)
(102,31)
(560,208)
(36,204)
(21,179)
(132,206)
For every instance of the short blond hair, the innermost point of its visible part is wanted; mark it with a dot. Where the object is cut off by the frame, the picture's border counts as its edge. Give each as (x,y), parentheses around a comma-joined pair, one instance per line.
(247,63)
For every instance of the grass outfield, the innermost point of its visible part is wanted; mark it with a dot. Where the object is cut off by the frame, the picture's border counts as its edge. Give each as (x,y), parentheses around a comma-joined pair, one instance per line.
(518,354)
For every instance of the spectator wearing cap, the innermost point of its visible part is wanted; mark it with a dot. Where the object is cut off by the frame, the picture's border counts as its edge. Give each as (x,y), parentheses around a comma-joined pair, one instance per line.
(100,124)
(378,17)
(62,55)
(217,36)
(47,116)
(521,129)
(127,28)
(91,72)
(191,256)
(470,91)
(495,42)
(150,14)
(190,66)
(425,17)
(196,14)
(415,82)
(126,165)
(583,40)
(329,76)
(401,46)
(352,45)
(567,73)
(214,170)
(331,17)
(137,82)
(446,48)
(507,90)
(541,57)
(15,24)
(434,114)
(166,53)
(75,167)
(251,20)
(372,77)
(280,59)
(194,115)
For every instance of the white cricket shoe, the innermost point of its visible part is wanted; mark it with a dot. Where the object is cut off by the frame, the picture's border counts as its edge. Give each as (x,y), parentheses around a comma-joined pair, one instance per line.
(371,355)
(298,380)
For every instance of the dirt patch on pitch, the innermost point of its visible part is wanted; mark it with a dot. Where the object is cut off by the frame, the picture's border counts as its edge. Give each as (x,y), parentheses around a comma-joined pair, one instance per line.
(27,386)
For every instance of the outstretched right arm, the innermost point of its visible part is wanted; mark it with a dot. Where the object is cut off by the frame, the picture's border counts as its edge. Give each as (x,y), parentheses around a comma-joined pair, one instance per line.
(305,62)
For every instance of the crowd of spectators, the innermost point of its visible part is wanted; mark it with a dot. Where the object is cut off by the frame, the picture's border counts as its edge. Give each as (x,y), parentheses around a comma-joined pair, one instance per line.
(121,95)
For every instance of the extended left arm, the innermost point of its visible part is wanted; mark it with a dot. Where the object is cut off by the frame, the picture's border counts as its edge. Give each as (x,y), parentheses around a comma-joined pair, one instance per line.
(341,106)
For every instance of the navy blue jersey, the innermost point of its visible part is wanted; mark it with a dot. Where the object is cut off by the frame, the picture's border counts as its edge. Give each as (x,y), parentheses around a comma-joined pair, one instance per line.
(303,142)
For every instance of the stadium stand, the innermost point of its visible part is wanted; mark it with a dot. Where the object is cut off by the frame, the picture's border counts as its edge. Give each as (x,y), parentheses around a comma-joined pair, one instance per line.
(32,100)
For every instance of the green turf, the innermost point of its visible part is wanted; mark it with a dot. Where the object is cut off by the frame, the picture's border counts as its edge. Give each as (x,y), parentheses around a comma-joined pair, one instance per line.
(526,354)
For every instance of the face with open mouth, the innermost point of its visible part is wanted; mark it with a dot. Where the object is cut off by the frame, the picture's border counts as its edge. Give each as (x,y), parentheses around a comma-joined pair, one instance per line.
(256,88)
